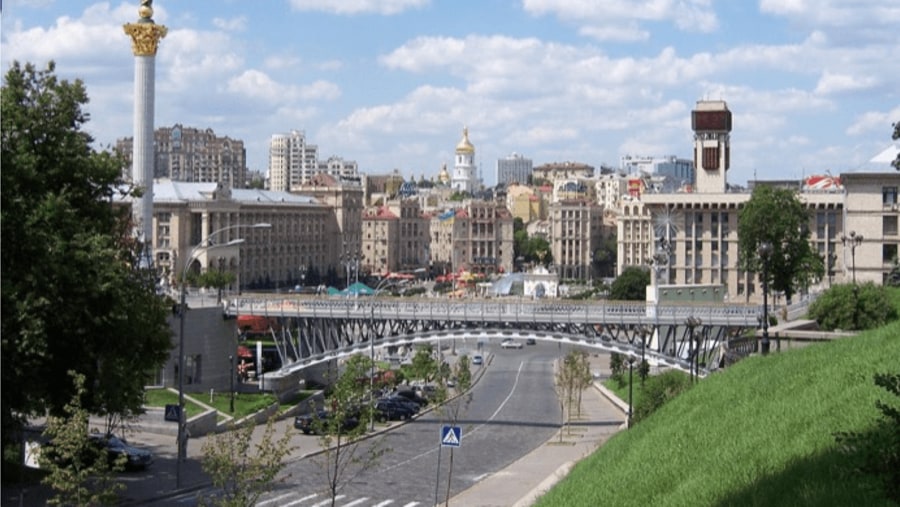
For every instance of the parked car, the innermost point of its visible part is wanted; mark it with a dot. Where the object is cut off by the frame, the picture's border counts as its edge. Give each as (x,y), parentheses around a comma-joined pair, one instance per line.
(477,360)
(509,343)
(136,458)
(386,410)
(307,422)
(530,341)
(402,400)
(412,396)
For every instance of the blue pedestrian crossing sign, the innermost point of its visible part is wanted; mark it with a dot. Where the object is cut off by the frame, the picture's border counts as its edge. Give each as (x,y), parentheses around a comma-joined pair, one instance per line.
(451,436)
(173,413)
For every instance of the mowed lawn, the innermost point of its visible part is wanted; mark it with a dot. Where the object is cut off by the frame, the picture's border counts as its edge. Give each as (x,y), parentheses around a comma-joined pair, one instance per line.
(759,433)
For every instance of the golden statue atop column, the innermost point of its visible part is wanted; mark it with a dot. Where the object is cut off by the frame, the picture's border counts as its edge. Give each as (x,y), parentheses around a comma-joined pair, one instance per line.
(145,34)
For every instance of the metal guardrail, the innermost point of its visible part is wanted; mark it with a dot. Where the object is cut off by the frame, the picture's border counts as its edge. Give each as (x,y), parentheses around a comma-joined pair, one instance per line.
(493,310)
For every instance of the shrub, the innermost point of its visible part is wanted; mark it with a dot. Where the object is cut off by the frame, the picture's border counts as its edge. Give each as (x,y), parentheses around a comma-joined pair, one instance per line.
(877,452)
(658,390)
(849,306)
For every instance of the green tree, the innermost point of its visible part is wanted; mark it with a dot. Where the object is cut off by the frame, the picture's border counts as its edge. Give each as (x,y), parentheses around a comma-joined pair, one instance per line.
(573,376)
(778,217)
(631,285)
(605,255)
(895,136)
(344,458)
(424,366)
(242,471)
(78,471)
(449,408)
(617,368)
(216,279)
(849,306)
(73,294)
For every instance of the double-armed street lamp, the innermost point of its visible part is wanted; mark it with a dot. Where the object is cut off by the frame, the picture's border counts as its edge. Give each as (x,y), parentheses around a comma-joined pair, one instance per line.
(203,245)
(765,252)
(659,262)
(854,240)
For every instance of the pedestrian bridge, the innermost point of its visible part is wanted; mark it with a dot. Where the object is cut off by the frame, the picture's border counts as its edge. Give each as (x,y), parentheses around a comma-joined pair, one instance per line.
(312,330)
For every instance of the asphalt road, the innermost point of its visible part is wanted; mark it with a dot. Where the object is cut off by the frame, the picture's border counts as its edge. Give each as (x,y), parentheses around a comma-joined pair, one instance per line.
(512,410)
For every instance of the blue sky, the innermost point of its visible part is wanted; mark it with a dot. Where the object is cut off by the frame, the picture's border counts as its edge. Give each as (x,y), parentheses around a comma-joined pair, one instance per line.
(813,84)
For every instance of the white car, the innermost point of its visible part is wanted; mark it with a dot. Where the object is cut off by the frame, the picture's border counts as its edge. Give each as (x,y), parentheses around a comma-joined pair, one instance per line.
(510,344)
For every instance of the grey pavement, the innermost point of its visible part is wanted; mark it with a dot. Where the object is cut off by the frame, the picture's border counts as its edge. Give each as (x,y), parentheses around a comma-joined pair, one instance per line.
(525,480)
(520,484)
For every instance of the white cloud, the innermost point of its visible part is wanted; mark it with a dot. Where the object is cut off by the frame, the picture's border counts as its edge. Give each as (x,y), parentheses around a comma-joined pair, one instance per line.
(349,7)
(236,24)
(617,20)
(875,123)
(258,85)
(832,83)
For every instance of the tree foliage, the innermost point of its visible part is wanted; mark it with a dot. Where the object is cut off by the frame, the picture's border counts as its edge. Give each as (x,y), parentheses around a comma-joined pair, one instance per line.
(73,295)
(895,136)
(344,458)
(631,285)
(778,217)
(605,255)
(424,366)
(449,407)
(573,376)
(242,471)
(877,452)
(849,306)
(78,471)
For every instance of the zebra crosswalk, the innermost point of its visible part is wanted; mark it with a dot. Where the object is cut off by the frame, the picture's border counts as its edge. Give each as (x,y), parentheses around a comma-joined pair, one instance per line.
(321,500)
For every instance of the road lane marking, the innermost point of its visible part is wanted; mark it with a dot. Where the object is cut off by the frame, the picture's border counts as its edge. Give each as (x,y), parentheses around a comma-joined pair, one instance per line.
(384,503)
(491,418)
(273,500)
(356,502)
(305,498)
(328,502)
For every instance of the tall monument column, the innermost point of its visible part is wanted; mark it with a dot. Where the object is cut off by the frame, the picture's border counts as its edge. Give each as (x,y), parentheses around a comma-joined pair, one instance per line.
(145,37)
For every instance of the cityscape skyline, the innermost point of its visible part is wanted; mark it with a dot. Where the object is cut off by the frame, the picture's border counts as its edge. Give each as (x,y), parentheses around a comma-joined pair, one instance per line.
(391,84)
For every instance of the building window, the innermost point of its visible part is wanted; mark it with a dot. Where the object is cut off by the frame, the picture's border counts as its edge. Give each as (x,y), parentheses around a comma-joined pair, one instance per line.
(889,225)
(889,195)
(888,253)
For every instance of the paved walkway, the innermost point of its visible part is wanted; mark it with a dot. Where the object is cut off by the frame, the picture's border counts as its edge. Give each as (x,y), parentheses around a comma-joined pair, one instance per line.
(519,485)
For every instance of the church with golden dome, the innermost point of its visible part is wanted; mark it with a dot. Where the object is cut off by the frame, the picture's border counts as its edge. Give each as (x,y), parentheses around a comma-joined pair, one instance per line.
(464,169)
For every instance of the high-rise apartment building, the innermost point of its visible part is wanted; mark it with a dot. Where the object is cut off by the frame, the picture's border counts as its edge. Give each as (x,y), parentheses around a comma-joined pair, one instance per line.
(575,231)
(194,156)
(292,161)
(514,169)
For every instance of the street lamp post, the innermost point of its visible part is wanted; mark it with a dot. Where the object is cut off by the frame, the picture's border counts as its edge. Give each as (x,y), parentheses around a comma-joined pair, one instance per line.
(630,388)
(203,245)
(302,271)
(692,323)
(231,381)
(659,262)
(854,240)
(765,251)
(372,376)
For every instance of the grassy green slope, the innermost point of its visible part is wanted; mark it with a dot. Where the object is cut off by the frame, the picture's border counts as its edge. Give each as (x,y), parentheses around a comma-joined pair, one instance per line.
(758,433)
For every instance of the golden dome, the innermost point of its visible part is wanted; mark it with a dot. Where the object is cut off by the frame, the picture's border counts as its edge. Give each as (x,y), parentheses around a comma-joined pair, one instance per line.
(444,177)
(464,145)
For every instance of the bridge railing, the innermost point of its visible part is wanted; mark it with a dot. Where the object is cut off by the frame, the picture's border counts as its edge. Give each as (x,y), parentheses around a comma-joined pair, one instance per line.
(496,310)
